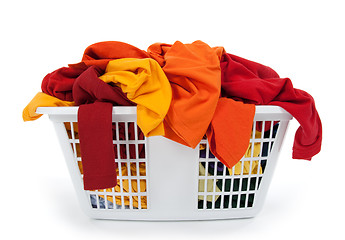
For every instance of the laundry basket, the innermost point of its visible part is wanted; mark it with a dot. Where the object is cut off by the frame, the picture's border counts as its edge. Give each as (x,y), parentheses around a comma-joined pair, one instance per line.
(159,179)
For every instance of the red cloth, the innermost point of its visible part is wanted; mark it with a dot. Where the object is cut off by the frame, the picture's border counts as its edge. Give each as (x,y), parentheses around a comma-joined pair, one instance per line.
(97,152)
(60,82)
(88,88)
(255,83)
(96,145)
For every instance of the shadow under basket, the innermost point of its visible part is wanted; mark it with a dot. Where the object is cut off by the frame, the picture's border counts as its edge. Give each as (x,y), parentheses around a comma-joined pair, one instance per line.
(159,179)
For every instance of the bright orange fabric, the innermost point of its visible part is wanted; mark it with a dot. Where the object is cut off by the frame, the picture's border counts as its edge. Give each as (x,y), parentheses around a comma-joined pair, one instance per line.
(230,130)
(101,53)
(219,51)
(194,73)
(42,100)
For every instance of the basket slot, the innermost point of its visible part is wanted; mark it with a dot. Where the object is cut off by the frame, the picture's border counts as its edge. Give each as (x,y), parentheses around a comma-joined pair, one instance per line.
(130,156)
(223,188)
(218,192)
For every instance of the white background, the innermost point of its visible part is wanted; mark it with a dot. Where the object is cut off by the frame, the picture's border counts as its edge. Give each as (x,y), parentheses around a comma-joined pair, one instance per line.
(302,40)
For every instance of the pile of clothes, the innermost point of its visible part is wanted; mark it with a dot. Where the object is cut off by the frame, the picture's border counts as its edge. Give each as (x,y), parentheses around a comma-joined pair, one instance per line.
(182,92)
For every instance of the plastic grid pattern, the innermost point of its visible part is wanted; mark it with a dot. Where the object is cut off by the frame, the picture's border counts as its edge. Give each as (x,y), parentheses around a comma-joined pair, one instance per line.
(223,188)
(170,196)
(131,161)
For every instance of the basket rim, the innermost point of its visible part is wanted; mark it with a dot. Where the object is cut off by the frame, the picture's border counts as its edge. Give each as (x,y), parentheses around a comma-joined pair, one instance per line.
(132,110)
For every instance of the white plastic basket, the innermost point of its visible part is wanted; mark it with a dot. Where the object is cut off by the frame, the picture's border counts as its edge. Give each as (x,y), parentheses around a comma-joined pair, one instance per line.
(169,181)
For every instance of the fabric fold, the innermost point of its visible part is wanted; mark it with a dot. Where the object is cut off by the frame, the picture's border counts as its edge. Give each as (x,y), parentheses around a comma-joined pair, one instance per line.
(230,130)
(255,83)
(96,145)
(193,71)
(59,83)
(42,100)
(89,88)
(99,54)
(144,82)
(95,127)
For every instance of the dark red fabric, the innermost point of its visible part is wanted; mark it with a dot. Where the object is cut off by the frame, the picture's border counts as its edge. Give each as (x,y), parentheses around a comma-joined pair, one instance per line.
(255,83)
(96,145)
(91,94)
(60,82)
(88,88)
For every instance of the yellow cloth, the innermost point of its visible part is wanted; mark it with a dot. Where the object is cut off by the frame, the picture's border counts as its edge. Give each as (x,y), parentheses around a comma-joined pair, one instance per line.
(145,83)
(134,183)
(42,100)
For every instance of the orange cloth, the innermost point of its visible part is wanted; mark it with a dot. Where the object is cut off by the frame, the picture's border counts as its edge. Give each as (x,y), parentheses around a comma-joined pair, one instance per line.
(145,83)
(101,53)
(194,73)
(42,100)
(230,130)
